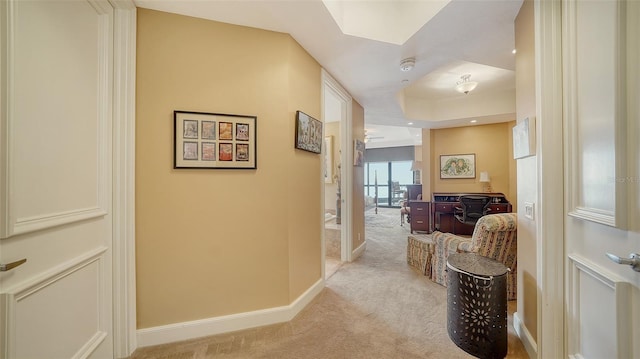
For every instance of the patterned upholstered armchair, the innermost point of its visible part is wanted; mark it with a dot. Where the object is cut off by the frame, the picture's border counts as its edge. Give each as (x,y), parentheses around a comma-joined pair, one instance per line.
(495,236)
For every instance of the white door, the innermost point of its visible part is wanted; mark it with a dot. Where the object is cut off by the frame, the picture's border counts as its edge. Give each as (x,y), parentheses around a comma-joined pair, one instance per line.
(602,116)
(55,179)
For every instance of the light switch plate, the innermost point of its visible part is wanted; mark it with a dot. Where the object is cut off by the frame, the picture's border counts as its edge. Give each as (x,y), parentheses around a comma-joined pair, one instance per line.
(529,210)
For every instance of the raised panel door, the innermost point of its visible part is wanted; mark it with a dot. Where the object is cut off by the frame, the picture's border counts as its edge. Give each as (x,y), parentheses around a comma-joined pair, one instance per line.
(56,179)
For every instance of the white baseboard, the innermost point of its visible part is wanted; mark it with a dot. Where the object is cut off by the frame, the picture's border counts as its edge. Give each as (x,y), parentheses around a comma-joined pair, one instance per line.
(527,340)
(358,251)
(228,323)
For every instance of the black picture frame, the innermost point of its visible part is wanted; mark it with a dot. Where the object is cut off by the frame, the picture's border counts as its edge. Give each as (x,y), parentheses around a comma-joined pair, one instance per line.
(309,134)
(199,138)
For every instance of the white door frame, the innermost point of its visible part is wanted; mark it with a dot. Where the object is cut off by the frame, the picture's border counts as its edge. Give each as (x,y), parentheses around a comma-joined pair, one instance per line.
(124,97)
(550,239)
(346,168)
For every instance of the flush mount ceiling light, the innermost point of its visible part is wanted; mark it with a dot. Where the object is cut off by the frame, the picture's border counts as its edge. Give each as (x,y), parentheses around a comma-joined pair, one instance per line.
(407,64)
(465,85)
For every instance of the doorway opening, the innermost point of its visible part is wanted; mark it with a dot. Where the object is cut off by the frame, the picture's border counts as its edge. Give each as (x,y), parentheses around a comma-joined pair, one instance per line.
(336,115)
(387,182)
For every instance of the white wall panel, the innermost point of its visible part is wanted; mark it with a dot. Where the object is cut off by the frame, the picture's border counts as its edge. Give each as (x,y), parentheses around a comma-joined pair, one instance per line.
(600,321)
(57,113)
(595,98)
(75,289)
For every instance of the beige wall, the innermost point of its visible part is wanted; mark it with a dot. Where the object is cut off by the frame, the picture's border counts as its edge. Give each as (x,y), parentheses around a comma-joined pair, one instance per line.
(304,176)
(527,170)
(330,189)
(492,147)
(357,211)
(218,242)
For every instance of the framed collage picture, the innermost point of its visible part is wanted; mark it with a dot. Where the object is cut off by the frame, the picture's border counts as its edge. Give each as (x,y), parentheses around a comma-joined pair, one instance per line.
(214,140)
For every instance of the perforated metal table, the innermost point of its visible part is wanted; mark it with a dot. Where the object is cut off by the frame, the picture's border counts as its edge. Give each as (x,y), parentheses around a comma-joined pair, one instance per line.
(477,304)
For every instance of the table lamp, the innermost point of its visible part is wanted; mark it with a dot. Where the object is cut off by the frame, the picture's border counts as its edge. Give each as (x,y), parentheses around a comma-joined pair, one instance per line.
(486,180)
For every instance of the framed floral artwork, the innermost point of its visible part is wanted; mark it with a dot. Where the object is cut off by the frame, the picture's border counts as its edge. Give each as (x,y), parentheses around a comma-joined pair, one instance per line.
(458,166)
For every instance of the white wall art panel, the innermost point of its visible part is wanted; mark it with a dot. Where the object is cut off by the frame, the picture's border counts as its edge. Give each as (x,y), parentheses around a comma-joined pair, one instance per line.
(594,89)
(599,324)
(57,114)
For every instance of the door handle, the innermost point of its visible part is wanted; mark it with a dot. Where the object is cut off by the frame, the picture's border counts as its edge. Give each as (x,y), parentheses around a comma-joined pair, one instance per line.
(633,260)
(10,266)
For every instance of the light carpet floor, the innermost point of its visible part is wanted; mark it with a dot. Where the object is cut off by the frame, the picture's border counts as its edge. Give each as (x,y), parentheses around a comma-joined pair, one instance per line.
(374,307)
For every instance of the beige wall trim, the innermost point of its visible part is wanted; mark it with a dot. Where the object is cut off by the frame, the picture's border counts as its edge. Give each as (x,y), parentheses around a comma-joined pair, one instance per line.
(358,251)
(228,323)
(525,336)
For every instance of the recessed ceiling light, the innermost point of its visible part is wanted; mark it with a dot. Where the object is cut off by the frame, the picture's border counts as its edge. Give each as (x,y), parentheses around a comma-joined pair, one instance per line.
(410,123)
(514,51)
(474,121)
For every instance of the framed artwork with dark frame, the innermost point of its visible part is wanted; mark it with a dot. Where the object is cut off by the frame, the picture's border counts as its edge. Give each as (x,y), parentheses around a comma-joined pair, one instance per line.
(214,140)
(308,133)
(458,166)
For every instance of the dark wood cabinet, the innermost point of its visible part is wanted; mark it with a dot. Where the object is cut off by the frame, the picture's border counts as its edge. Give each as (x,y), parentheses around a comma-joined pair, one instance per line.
(444,205)
(439,213)
(499,208)
(420,216)
(413,190)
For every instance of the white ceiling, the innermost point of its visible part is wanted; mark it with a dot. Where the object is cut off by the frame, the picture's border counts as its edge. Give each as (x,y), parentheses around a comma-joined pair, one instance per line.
(459,37)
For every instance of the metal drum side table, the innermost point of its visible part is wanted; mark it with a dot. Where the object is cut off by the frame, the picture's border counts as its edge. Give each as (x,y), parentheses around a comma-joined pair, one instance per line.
(477,304)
